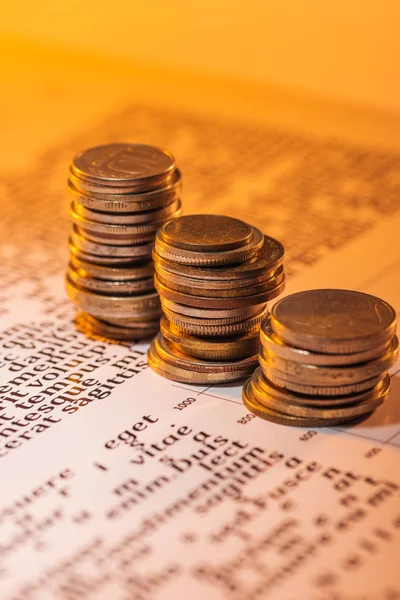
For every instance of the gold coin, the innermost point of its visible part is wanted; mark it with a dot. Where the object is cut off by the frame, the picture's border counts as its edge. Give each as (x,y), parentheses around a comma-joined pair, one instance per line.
(110,273)
(280,379)
(205,233)
(235,347)
(279,348)
(336,375)
(215,303)
(267,260)
(221,315)
(250,401)
(265,385)
(213,327)
(204,291)
(157,364)
(333,321)
(103,306)
(322,412)
(210,258)
(103,286)
(177,358)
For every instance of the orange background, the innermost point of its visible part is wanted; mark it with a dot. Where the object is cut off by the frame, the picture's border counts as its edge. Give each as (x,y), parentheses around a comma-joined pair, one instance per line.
(342,49)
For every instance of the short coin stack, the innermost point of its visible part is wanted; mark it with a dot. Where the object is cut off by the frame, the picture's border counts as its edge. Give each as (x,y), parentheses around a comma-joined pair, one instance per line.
(121,194)
(324,358)
(214,275)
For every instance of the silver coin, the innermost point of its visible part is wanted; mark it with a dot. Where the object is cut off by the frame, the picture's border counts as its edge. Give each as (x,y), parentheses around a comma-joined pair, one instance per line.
(133,218)
(267,260)
(110,273)
(101,261)
(104,286)
(333,375)
(265,385)
(96,198)
(83,244)
(125,165)
(333,321)
(213,327)
(211,258)
(279,348)
(114,239)
(104,306)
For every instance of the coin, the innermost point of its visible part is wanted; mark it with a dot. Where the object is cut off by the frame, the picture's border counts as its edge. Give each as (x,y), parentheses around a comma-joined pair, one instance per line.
(128,165)
(119,229)
(111,273)
(210,258)
(333,321)
(223,316)
(104,261)
(185,361)
(267,260)
(114,238)
(252,404)
(319,412)
(96,199)
(213,327)
(138,286)
(213,302)
(333,375)
(205,233)
(266,386)
(183,375)
(102,306)
(227,348)
(212,284)
(83,244)
(280,378)
(116,332)
(211,292)
(135,218)
(279,348)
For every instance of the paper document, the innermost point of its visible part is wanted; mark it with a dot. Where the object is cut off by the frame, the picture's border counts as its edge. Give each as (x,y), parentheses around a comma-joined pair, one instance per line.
(119,484)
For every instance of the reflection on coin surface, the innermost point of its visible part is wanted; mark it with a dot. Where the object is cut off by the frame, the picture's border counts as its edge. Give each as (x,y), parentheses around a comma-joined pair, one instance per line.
(333,375)
(268,259)
(192,377)
(277,346)
(209,233)
(122,163)
(329,320)
(210,258)
(266,385)
(251,402)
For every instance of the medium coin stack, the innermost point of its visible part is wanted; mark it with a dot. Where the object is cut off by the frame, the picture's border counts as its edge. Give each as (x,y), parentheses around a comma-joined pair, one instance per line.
(324,358)
(121,194)
(215,275)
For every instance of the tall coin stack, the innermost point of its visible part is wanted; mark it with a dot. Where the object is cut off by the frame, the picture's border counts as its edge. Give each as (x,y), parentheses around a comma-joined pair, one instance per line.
(121,194)
(324,358)
(214,275)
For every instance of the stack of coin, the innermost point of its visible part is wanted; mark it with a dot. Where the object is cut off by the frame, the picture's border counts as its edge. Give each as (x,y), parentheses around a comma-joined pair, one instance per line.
(324,358)
(215,275)
(121,194)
